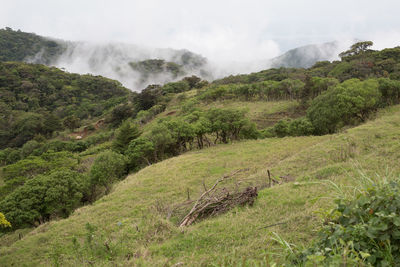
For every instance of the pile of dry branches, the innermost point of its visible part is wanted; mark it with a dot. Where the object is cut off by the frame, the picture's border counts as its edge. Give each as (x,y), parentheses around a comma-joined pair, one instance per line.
(216,201)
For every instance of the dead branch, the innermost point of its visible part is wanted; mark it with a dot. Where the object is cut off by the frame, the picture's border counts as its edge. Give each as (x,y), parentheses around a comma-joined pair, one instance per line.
(212,202)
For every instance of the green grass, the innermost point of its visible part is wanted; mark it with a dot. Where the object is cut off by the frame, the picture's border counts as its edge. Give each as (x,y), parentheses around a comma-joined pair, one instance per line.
(131,220)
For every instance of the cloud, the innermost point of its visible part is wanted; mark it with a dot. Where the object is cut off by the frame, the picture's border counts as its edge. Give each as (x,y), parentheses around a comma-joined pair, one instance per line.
(221,29)
(235,35)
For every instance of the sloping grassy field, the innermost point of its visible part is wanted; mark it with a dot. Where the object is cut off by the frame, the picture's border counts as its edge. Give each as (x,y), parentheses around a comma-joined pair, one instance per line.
(129,226)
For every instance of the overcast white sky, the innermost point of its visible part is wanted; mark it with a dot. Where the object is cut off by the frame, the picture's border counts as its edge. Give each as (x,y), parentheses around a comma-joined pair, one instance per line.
(221,30)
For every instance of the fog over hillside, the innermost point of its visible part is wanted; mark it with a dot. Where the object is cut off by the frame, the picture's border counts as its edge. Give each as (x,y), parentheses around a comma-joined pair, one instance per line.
(117,61)
(120,61)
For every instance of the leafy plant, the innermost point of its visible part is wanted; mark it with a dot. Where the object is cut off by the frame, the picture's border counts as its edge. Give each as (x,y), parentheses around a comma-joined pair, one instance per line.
(365,228)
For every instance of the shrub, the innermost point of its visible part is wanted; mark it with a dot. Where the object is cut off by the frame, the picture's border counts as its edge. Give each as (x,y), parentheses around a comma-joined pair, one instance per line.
(140,152)
(349,102)
(390,91)
(29,147)
(108,167)
(300,127)
(366,226)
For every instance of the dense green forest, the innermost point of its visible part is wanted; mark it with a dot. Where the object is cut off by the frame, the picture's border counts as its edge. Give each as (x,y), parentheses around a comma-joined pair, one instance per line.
(19,46)
(66,139)
(37,100)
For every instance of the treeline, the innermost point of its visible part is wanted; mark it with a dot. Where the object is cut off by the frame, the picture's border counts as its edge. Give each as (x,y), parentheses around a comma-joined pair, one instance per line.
(172,136)
(358,62)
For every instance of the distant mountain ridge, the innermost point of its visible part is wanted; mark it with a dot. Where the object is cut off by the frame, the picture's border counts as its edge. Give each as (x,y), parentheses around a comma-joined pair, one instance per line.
(307,56)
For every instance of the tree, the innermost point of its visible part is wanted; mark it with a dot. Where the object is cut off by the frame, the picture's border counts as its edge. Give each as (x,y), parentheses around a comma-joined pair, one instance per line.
(140,152)
(120,113)
(27,126)
(226,123)
(346,103)
(43,197)
(356,49)
(148,97)
(72,122)
(125,134)
(108,167)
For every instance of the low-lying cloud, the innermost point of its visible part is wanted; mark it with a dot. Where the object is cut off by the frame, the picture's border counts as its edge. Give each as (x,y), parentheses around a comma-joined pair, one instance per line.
(236,36)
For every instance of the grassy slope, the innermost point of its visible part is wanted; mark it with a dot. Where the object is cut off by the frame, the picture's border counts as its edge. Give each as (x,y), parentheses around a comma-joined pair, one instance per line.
(263,113)
(132,222)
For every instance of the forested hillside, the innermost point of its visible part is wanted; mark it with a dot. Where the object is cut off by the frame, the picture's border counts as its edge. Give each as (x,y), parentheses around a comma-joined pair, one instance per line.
(20,46)
(70,140)
(35,99)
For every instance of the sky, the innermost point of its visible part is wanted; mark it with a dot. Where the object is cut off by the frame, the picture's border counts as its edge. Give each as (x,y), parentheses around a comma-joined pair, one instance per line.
(244,30)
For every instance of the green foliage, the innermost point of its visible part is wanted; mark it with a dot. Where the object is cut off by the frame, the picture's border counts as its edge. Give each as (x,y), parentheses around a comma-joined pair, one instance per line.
(346,103)
(18,46)
(140,153)
(173,136)
(144,116)
(35,99)
(148,97)
(289,127)
(227,123)
(125,134)
(29,148)
(3,222)
(108,167)
(356,49)
(72,122)
(176,87)
(156,66)
(54,195)
(18,173)
(390,90)
(367,226)
(119,114)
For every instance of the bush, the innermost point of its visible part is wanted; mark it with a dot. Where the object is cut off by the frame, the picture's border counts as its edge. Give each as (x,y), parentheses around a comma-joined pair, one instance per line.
(140,153)
(53,195)
(347,103)
(390,91)
(108,167)
(289,127)
(367,226)
(29,147)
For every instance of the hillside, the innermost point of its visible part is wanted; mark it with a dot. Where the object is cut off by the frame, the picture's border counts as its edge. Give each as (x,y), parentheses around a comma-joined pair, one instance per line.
(131,220)
(113,182)
(35,99)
